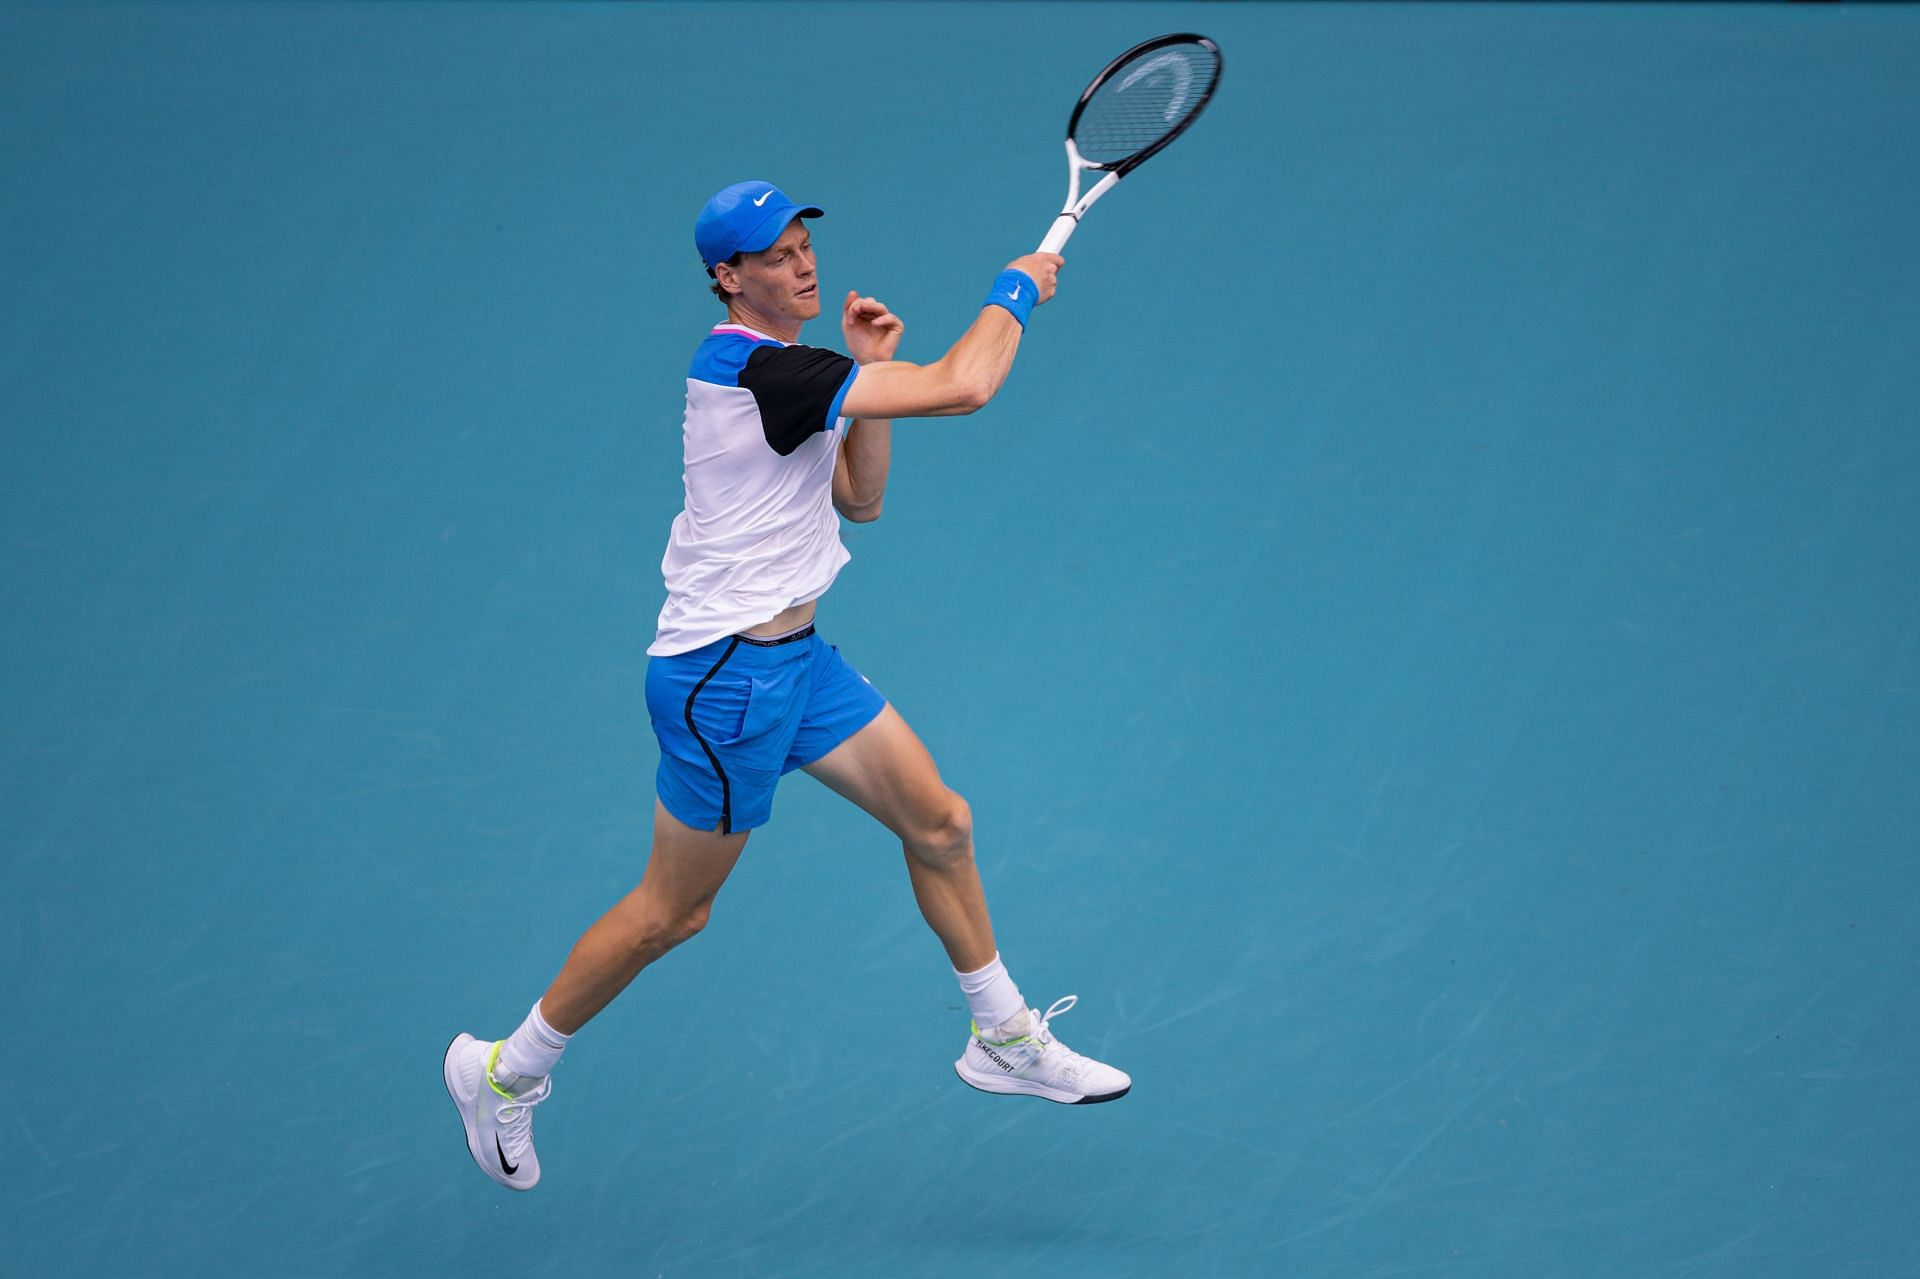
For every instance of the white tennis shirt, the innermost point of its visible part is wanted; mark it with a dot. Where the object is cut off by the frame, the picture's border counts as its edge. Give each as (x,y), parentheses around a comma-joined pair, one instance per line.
(759,533)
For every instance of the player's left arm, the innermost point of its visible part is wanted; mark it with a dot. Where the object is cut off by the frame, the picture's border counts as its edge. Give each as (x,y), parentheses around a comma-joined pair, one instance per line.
(860,471)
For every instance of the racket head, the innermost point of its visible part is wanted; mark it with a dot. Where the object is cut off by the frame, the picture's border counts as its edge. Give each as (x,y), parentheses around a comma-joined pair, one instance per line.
(1144,99)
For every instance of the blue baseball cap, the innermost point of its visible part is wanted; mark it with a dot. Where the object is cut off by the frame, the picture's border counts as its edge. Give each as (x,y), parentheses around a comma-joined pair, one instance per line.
(745,218)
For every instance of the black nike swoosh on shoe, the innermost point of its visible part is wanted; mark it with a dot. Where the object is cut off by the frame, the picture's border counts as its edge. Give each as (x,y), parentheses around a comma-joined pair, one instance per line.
(505,1167)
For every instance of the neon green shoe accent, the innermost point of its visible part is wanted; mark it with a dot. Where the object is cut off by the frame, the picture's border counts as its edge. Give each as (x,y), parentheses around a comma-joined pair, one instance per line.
(493,1059)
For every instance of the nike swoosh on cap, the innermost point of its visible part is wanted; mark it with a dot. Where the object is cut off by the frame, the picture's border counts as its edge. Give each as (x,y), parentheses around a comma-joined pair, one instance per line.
(763,197)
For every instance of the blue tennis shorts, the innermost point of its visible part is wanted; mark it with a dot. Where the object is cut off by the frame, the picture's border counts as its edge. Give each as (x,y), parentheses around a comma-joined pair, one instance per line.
(737,715)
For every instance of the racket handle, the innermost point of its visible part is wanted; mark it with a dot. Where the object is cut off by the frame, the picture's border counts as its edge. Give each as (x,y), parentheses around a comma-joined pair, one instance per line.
(1058,234)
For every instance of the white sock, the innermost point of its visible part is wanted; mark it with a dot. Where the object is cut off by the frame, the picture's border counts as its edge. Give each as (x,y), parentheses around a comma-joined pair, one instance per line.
(991,995)
(535,1048)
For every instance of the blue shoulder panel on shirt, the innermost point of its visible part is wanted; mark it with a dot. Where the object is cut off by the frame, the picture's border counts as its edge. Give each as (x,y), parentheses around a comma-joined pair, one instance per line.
(722,356)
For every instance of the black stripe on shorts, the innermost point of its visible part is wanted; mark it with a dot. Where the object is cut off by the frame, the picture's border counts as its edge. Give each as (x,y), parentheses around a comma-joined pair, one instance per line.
(726,790)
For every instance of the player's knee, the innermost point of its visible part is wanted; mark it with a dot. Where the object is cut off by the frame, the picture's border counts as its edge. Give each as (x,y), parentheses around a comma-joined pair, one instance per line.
(661,930)
(692,921)
(946,834)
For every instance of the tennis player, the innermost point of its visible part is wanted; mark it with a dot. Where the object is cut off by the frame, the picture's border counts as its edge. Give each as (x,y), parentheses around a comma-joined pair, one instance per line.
(742,690)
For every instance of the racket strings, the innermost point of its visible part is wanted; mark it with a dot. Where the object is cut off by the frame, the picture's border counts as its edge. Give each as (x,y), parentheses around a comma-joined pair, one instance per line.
(1143,101)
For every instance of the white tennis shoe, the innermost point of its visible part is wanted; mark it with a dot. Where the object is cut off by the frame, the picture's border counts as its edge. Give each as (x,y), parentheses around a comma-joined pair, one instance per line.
(1022,1056)
(499,1122)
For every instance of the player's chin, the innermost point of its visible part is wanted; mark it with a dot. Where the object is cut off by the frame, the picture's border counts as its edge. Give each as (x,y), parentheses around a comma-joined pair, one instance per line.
(808,303)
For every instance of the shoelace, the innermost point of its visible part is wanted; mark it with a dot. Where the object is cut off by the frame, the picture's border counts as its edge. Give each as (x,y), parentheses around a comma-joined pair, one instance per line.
(516,1117)
(1068,1063)
(1064,1004)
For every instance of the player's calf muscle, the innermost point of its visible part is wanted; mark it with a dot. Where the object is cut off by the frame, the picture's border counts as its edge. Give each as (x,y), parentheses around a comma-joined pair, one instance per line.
(612,953)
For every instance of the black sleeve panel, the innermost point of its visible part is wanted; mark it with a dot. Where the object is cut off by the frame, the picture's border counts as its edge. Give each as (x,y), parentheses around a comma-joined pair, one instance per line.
(795,387)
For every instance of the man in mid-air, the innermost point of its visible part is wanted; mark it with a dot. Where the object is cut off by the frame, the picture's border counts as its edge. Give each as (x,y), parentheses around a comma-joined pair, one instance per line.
(778,438)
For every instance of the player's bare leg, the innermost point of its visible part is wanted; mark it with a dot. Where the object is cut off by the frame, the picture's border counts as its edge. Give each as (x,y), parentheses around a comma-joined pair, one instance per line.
(672,903)
(887,770)
(496,1085)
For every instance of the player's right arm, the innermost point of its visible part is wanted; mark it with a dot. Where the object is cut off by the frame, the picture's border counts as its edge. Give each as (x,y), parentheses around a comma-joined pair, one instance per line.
(967,376)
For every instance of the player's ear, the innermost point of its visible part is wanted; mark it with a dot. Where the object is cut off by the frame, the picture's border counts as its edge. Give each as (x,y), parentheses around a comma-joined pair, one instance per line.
(726,276)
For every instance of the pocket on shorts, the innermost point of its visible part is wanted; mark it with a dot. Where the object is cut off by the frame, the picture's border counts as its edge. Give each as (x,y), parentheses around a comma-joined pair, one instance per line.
(756,710)
(719,708)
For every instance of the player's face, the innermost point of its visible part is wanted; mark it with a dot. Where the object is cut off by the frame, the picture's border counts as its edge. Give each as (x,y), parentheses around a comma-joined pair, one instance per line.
(781,279)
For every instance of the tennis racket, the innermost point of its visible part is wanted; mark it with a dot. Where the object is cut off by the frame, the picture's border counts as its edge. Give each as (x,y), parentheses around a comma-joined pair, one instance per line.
(1144,99)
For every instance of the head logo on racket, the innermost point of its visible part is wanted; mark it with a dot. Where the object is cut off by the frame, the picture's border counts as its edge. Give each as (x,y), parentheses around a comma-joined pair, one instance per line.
(1174,65)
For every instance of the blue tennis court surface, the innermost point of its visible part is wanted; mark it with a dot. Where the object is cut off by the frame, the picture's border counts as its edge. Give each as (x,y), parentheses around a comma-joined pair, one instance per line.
(1430,634)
